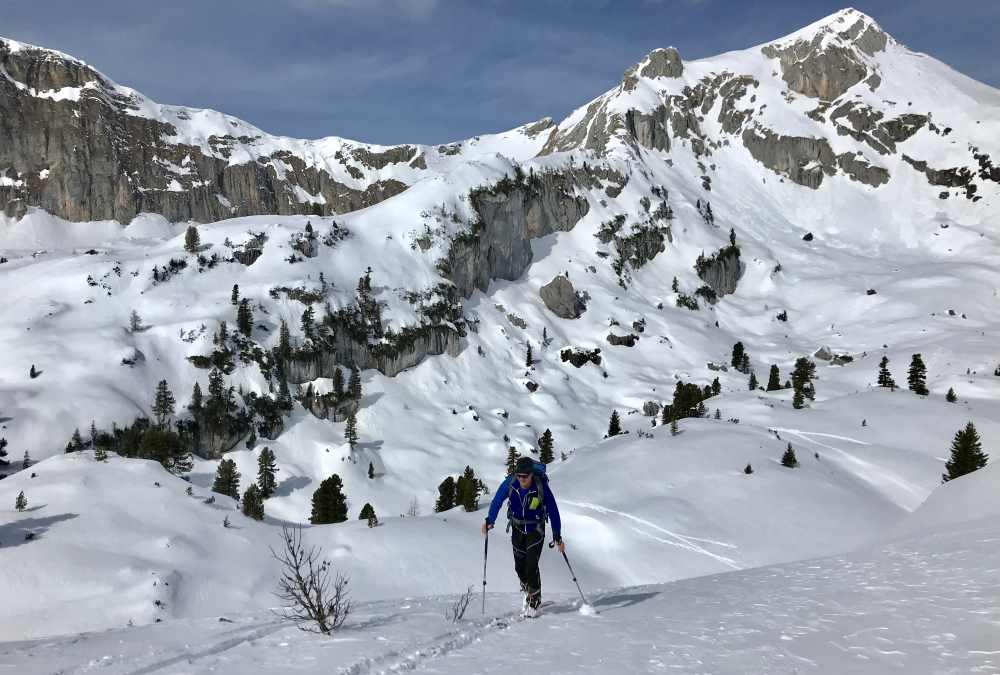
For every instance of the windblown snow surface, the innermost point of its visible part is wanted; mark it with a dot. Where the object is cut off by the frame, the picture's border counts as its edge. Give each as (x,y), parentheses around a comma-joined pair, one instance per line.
(837,566)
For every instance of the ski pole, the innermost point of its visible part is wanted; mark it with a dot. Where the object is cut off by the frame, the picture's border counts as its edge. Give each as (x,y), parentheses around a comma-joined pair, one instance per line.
(572,574)
(486,550)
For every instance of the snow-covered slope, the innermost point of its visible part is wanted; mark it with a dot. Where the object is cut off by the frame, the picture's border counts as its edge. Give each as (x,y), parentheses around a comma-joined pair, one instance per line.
(921,603)
(614,197)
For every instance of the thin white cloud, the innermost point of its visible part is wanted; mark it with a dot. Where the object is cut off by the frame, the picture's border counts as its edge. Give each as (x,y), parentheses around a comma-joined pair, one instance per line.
(414,9)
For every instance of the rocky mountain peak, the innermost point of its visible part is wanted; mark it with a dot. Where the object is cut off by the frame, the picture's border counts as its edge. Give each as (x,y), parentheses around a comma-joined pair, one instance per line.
(828,57)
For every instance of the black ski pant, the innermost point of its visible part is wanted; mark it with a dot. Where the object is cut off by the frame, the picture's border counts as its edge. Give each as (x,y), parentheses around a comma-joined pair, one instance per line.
(527,551)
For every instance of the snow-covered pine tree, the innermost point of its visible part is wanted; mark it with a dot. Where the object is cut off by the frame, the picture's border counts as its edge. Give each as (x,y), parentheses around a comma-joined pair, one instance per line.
(951,397)
(752,383)
(244,318)
(798,400)
(748,469)
(196,400)
(253,503)
(21,502)
(26,462)
(966,454)
(738,354)
(917,376)
(227,479)
(614,425)
(338,382)
(284,341)
(329,505)
(446,495)
(267,467)
(788,459)
(354,384)
(163,404)
(884,376)
(512,457)
(351,430)
(716,387)
(192,240)
(528,357)
(308,321)
(367,513)
(234,297)
(774,379)
(134,322)
(545,451)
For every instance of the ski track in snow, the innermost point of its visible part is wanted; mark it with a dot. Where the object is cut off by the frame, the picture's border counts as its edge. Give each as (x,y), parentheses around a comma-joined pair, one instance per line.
(678,540)
(412,656)
(866,470)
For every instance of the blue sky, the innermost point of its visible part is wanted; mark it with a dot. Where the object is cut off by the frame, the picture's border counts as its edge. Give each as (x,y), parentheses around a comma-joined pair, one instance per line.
(430,71)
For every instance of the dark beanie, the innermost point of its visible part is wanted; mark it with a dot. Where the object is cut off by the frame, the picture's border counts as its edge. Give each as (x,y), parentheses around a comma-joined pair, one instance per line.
(524,465)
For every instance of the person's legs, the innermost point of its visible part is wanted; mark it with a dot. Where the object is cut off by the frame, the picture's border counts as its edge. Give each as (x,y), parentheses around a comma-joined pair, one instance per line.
(532,576)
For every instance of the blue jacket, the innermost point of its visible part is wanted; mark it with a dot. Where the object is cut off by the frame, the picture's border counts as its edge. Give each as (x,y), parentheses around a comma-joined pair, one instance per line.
(525,505)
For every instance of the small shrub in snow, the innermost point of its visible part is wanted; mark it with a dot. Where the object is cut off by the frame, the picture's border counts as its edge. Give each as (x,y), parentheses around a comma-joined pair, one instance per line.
(317,603)
(456,611)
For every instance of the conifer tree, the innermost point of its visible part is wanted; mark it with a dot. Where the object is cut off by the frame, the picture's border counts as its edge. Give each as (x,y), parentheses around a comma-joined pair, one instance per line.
(33,372)
(354,384)
(77,441)
(192,240)
(21,502)
(235,297)
(163,403)
(227,479)
(917,377)
(284,341)
(966,454)
(284,395)
(748,470)
(196,400)
(134,322)
(951,397)
(93,433)
(674,430)
(351,430)
(26,462)
(614,425)
(371,471)
(329,505)
(308,319)
(467,490)
(253,503)
(798,400)
(718,414)
(368,513)
(884,376)
(512,458)
(774,379)
(675,286)
(716,387)
(738,354)
(528,359)
(3,452)
(545,451)
(804,371)
(446,495)
(788,459)
(267,467)
(244,318)
(732,236)
(338,382)
(752,384)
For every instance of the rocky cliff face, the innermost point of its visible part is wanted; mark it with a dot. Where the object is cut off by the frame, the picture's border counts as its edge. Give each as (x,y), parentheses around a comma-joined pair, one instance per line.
(83,148)
(511,214)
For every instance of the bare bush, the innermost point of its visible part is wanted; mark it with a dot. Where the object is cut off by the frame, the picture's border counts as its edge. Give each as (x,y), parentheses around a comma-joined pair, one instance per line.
(311,599)
(414,509)
(456,612)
